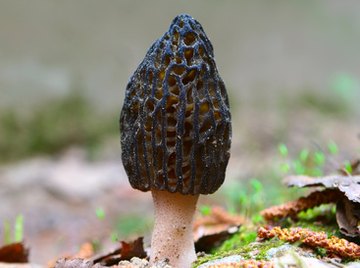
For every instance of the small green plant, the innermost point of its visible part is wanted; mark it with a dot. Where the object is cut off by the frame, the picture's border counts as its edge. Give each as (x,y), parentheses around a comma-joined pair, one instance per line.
(308,162)
(100,213)
(245,198)
(333,148)
(205,210)
(348,167)
(7,232)
(283,150)
(18,230)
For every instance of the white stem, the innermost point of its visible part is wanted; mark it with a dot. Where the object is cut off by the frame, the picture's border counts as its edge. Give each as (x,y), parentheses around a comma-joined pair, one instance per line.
(172,235)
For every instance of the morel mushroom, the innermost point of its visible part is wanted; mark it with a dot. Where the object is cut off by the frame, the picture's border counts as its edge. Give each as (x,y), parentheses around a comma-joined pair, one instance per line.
(176,133)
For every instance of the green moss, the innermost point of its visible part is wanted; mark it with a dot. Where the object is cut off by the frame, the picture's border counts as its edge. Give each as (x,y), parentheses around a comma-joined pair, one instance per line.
(318,219)
(252,250)
(242,243)
(244,237)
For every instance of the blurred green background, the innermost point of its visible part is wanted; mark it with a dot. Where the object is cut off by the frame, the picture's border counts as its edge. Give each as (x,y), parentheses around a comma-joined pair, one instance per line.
(292,70)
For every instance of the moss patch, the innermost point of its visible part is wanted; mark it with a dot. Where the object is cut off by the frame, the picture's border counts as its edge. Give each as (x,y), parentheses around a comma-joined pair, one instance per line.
(242,243)
(253,250)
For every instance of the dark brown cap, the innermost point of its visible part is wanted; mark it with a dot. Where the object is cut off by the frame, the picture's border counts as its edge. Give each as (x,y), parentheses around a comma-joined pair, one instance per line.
(175,123)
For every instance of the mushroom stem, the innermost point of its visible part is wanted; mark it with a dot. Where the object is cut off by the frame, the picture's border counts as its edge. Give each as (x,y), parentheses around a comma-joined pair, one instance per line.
(172,237)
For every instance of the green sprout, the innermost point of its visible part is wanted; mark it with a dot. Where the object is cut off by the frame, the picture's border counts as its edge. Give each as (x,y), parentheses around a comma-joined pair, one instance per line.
(285,168)
(319,158)
(304,155)
(332,147)
(19,228)
(205,210)
(100,213)
(348,167)
(299,168)
(7,232)
(283,150)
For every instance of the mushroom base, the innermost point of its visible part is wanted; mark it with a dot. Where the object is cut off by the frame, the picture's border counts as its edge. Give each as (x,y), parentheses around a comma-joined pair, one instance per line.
(172,237)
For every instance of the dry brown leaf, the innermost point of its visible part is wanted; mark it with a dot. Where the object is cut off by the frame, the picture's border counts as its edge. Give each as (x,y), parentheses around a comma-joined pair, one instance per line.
(349,185)
(291,209)
(348,206)
(14,253)
(86,251)
(348,217)
(211,230)
(85,259)
(338,246)
(125,252)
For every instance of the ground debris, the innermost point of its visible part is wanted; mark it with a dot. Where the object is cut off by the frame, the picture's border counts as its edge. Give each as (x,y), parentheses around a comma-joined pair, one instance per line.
(291,209)
(14,253)
(125,252)
(231,262)
(335,245)
(349,185)
(135,262)
(344,191)
(348,217)
(211,230)
(84,258)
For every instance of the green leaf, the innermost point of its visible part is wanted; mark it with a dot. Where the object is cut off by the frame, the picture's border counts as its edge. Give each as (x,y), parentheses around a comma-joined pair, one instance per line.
(7,232)
(284,167)
(299,167)
(257,218)
(19,228)
(304,154)
(332,147)
(256,185)
(114,237)
(283,149)
(348,167)
(100,213)
(205,210)
(319,158)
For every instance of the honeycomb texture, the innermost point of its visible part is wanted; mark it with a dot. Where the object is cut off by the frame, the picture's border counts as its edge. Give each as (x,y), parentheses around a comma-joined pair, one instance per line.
(175,123)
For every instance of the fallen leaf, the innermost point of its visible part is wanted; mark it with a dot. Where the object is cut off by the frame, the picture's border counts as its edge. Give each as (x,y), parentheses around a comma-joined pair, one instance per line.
(14,253)
(211,230)
(349,185)
(125,252)
(86,251)
(348,217)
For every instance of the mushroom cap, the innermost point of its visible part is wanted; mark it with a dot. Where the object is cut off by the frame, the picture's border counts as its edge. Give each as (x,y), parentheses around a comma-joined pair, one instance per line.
(175,123)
